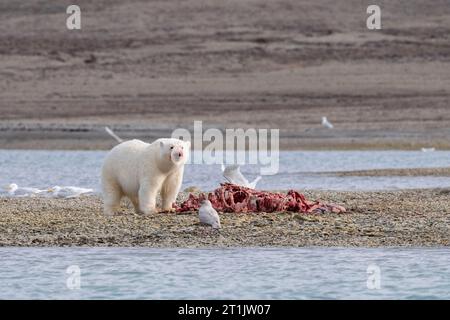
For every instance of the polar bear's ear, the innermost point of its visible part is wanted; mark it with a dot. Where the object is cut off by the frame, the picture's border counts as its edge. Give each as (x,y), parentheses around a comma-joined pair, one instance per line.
(161,146)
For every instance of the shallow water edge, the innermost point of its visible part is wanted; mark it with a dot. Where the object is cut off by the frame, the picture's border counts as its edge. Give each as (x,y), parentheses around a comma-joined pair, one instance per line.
(235,273)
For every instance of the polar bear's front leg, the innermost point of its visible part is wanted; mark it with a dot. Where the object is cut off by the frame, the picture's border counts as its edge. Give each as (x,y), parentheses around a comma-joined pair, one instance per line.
(147,198)
(170,189)
(112,194)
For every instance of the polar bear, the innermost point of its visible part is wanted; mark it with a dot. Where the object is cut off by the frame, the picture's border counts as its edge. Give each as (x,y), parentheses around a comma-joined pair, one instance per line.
(139,170)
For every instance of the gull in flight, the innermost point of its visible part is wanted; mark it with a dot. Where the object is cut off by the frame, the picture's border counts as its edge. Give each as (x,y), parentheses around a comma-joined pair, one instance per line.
(428,149)
(112,134)
(68,192)
(327,123)
(208,215)
(233,174)
(14,190)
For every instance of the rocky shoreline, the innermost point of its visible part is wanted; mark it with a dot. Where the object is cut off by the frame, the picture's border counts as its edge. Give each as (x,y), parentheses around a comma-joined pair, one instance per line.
(374,219)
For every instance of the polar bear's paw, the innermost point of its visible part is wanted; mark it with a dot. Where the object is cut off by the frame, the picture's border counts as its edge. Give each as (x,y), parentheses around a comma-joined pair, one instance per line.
(147,212)
(110,212)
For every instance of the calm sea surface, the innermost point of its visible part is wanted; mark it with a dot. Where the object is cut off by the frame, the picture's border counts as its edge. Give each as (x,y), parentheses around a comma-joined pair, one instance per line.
(241,273)
(297,170)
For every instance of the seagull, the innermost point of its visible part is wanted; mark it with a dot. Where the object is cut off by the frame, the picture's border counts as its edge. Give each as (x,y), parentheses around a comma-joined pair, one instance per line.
(208,215)
(233,174)
(112,134)
(11,189)
(68,192)
(326,123)
(428,149)
(14,190)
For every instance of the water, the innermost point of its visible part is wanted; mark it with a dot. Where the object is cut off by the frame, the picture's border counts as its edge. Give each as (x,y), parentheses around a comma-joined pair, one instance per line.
(297,170)
(244,273)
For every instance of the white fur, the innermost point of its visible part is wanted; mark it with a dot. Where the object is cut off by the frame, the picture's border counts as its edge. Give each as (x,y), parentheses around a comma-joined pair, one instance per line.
(139,171)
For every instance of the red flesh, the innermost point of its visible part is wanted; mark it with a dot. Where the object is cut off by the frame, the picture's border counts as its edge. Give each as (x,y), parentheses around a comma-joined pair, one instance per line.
(232,198)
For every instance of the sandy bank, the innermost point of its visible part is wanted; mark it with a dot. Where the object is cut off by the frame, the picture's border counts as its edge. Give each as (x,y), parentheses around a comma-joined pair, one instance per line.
(232,64)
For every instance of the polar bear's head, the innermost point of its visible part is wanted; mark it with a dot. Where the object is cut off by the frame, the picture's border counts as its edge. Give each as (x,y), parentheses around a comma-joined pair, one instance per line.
(175,150)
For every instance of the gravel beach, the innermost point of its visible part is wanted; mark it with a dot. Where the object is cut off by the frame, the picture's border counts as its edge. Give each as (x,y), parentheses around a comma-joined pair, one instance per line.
(394,218)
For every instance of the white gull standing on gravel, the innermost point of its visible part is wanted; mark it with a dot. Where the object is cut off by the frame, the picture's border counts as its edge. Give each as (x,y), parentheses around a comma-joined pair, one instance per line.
(208,215)
(68,192)
(13,190)
(233,174)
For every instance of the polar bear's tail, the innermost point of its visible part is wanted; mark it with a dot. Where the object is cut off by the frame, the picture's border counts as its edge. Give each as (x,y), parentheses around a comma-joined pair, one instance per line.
(112,134)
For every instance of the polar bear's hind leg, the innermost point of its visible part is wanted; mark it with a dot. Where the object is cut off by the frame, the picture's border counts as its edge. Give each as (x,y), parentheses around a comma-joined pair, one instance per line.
(111,198)
(135,202)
